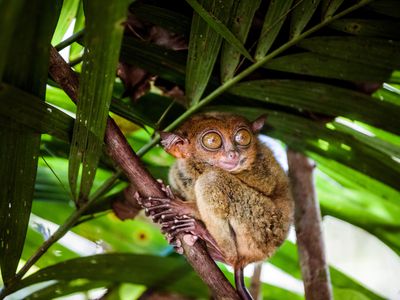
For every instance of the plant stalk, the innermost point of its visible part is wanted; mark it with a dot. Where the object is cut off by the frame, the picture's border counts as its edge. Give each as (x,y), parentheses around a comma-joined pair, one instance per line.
(68,41)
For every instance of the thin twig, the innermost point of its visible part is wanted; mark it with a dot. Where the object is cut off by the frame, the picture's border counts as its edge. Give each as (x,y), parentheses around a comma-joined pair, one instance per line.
(78,60)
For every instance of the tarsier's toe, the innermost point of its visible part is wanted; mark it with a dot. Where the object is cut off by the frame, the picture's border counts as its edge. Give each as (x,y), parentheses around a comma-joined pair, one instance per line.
(137,197)
(190,239)
(167,216)
(166,189)
(178,250)
(177,244)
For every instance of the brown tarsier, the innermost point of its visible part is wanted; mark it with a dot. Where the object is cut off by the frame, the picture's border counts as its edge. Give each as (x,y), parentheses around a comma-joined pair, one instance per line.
(228,190)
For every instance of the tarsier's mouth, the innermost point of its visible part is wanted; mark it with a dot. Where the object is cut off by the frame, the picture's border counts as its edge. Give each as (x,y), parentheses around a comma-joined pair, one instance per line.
(228,165)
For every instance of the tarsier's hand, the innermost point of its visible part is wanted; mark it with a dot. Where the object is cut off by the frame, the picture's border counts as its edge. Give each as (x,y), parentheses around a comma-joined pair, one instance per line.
(162,209)
(174,215)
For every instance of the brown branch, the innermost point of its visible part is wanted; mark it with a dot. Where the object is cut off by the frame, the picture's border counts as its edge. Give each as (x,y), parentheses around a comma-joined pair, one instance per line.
(123,155)
(310,242)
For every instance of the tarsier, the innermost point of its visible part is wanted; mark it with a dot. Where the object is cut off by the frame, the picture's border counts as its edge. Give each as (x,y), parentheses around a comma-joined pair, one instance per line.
(227,189)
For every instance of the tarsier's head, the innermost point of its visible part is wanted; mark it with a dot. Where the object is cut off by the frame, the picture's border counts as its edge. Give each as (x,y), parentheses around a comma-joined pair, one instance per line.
(219,139)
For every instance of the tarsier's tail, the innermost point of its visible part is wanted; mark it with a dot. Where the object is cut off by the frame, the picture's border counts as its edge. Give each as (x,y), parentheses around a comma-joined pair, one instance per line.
(240,286)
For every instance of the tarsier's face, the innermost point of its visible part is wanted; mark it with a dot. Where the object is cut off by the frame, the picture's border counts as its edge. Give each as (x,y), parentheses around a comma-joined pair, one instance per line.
(222,140)
(230,149)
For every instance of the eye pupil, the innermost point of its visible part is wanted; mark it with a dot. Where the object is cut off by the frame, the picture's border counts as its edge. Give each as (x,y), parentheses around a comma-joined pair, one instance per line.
(212,140)
(243,137)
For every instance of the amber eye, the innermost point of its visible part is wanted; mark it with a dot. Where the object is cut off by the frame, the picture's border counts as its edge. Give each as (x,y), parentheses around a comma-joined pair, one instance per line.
(212,140)
(243,137)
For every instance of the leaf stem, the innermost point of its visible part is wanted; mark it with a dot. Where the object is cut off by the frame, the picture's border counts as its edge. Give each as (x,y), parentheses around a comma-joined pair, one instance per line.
(105,187)
(68,41)
(229,83)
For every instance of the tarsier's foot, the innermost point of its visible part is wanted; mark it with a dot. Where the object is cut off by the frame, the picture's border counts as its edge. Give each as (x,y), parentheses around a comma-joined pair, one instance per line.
(189,239)
(193,230)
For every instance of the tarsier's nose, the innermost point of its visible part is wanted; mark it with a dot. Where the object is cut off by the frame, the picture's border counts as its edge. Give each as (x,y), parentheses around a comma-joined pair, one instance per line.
(232,154)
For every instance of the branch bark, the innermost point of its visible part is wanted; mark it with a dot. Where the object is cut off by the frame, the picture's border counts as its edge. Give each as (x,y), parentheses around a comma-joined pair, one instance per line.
(141,180)
(307,216)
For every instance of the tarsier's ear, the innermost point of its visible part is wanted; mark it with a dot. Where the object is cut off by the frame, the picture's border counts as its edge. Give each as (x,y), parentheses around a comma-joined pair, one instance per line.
(174,144)
(258,124)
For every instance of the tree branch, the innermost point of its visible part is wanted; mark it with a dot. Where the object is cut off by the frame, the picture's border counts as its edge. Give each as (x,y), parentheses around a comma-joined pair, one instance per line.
(310,242)
(123,155)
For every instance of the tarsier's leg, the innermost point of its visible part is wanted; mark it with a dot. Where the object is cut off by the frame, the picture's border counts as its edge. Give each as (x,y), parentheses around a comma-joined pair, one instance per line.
(214,195)
(213,205)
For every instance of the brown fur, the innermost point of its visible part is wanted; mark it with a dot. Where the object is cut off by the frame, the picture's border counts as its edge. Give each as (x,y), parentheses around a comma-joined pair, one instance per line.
(248,211)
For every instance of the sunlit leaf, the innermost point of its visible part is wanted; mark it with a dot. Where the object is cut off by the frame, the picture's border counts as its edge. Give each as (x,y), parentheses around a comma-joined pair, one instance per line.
(357,206)
(55,254)
(173,274)
(76,49)
(388,95)
(388,148)
(68,13)
(352,179)
(65,288)
(59,98)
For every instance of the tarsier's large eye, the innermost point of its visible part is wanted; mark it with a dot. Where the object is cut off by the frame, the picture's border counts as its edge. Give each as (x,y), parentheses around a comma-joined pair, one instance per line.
(211,140)
(243,137)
